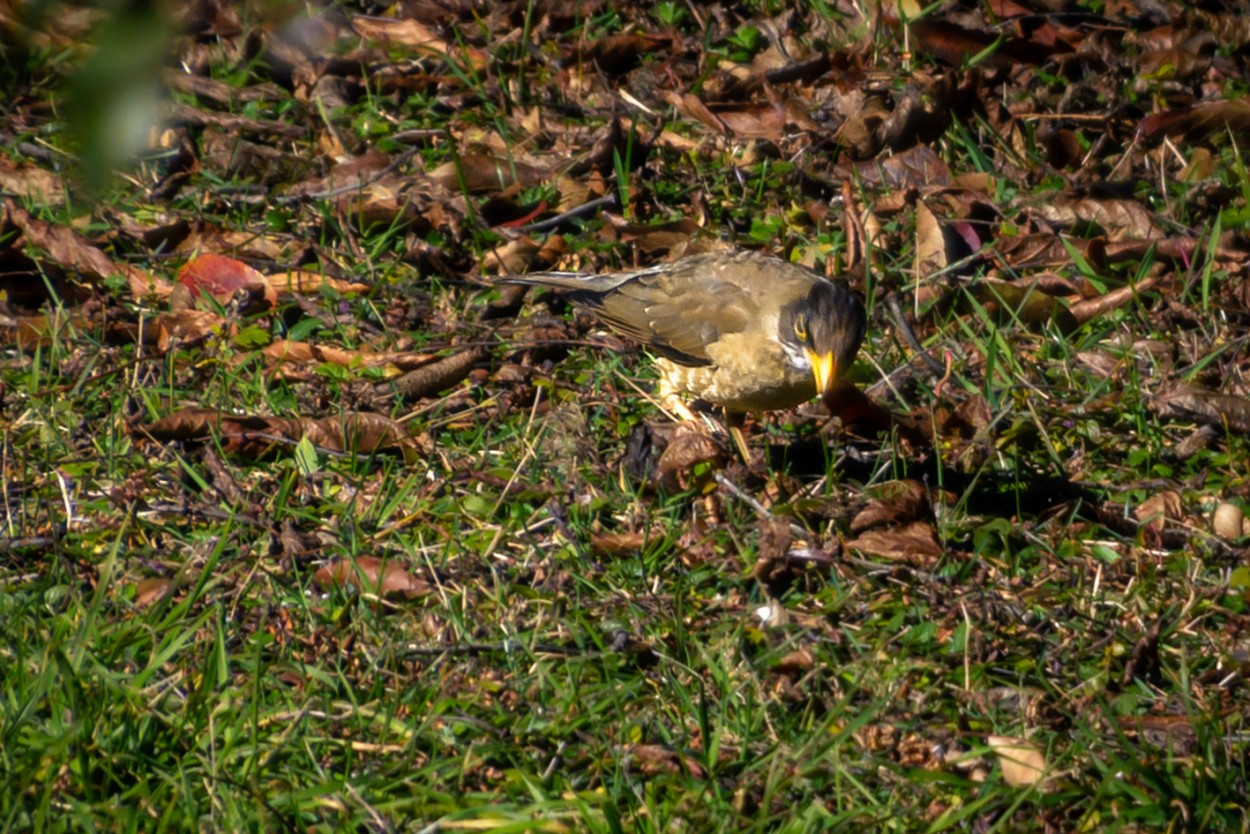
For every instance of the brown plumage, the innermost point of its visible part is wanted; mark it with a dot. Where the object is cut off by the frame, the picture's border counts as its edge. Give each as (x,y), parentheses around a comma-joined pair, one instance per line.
(741,330)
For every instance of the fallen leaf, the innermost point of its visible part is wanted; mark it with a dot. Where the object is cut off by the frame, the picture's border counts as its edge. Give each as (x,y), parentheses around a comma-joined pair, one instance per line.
(225,279)
(386,578)
(1201,121)
(148,591)
(30,182)
(914,544)
(690,458)
(69,250)
(895,502)
(1160,508)
(259,437)
(1023,765)
(930,243)
(303,281)
(432,378)
(656,759)
(1184,401)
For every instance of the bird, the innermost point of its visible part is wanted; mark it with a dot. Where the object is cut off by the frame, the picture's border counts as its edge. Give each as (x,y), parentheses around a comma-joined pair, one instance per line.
(738,329)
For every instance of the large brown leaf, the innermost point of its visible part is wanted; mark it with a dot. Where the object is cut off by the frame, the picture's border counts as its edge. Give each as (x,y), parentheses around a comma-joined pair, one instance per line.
(371,575)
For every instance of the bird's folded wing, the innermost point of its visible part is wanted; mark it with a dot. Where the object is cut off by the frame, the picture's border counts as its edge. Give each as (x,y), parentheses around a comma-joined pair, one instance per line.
(677,310)
(676,319)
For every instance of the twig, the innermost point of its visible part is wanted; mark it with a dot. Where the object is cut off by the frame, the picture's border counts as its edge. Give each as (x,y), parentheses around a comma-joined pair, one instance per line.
(909,335)
(577,211)
(354,186)
(506,646)
(751,502)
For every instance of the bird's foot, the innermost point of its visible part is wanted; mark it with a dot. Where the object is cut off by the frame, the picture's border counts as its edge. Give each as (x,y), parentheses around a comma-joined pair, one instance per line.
(675,406)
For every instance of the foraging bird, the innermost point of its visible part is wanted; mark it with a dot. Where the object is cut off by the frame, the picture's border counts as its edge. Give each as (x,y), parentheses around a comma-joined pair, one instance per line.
(741,330)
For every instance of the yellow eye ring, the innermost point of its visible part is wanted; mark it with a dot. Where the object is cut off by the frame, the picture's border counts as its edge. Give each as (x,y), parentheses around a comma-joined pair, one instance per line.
(800,329)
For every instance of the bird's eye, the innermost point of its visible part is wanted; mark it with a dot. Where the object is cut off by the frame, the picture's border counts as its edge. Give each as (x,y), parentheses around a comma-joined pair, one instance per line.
(800,328)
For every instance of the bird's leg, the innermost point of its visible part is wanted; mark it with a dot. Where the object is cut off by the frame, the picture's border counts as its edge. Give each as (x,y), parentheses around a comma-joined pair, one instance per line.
(673,404)
(733,422)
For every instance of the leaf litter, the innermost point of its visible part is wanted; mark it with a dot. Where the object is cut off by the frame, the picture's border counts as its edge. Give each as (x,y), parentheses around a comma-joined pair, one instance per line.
(1037,484)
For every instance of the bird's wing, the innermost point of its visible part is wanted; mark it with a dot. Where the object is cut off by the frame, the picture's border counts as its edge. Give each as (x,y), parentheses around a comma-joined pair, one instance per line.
(676,309)
(677,314)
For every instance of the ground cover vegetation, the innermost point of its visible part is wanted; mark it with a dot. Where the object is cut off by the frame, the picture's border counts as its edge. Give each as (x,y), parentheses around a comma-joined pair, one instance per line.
(310,525)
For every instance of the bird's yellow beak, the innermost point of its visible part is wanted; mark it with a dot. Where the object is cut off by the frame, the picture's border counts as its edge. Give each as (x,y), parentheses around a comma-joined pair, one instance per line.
(824,370)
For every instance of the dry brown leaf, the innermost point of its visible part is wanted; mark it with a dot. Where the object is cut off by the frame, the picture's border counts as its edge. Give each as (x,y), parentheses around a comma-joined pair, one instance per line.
(794,665)
(861,132)
(258,437)
(896,502)
(430,379)
(371,575)
(1184,401)
(690,458)
(1117,219)
(282,351)
(302,281)
(72,252)
(1023,765)
(1159,509)
(348,175)
(623,544)
(916,167)
(914,544)
(512,258)
(416,35)
(30,182)
(690,106)
(671,238)
(1083,311)
(656,759)
(225,280)
(148,591)
(186,326)
(479,173)
(930,243)
(616,54)
(1201,121)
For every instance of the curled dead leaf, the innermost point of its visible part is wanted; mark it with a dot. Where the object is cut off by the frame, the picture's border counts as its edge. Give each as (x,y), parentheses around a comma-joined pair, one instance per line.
(1027,304)
(1184,401)
(794,665)
(257,436)
(72,252)
(1159,509)
(303,281)
(914,544)
(656,759)
(623,544)
(690,458)
(896,502)
(930,243)
(1023,765)
(432,378)
(223,279)
(369,574)
(30,182)
(148,591)
(283,351)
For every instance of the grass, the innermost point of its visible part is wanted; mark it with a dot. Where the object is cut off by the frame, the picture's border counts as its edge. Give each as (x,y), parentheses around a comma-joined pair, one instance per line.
(593,649)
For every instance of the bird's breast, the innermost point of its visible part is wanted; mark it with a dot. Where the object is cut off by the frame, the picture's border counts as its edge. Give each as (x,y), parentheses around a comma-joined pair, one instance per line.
(747,373)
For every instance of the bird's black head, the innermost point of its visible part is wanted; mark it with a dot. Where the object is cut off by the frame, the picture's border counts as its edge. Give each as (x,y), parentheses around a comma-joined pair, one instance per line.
(824,328)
